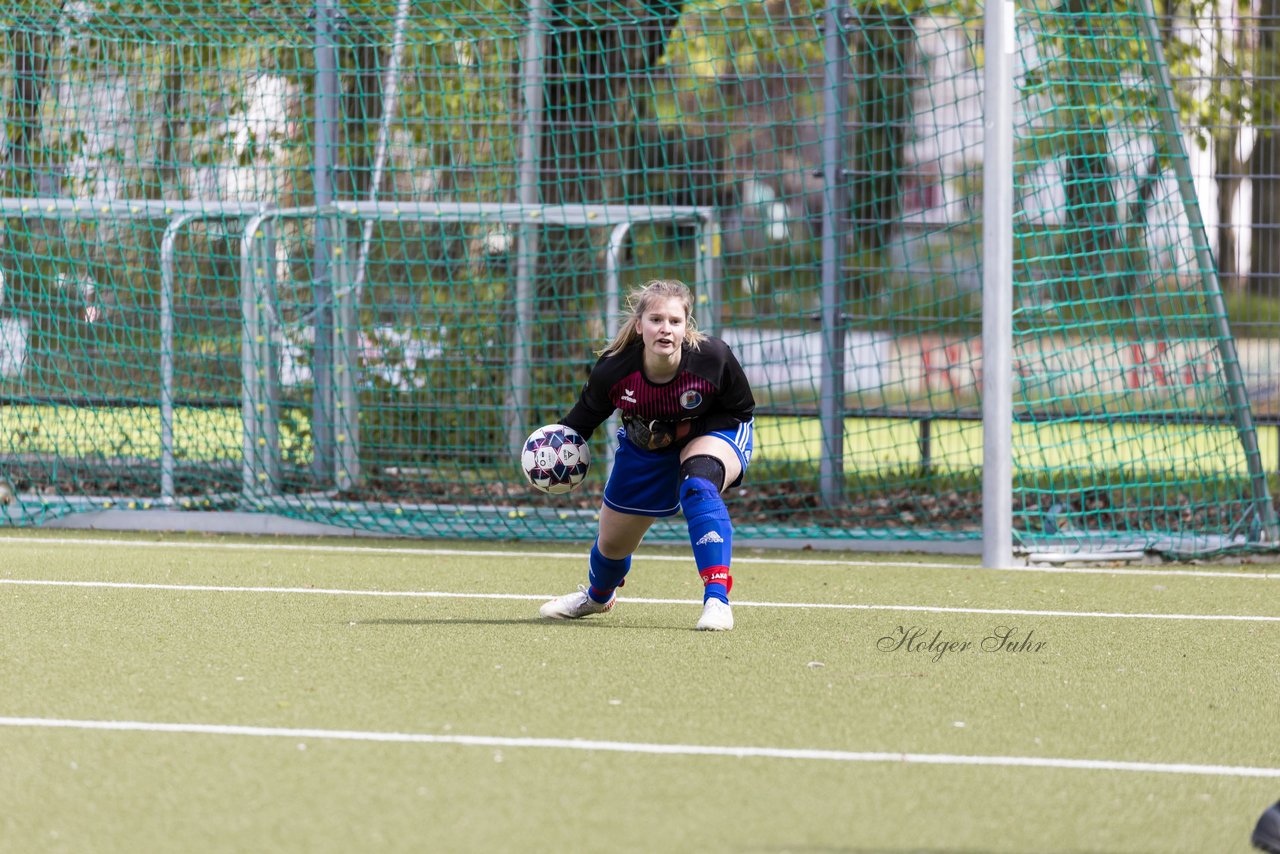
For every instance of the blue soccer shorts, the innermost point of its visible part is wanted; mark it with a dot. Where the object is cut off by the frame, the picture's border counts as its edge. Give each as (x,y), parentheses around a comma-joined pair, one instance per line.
(647,483)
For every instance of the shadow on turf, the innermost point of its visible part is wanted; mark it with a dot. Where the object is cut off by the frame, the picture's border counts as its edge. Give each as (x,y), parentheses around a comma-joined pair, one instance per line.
(532,621)
(829,850)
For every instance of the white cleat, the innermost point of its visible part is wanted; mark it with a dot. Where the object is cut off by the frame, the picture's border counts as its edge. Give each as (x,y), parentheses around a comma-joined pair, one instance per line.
(717,616)
(574,605)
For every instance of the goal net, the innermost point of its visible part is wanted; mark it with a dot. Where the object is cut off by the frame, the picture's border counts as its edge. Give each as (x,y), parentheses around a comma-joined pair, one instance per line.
(325,263)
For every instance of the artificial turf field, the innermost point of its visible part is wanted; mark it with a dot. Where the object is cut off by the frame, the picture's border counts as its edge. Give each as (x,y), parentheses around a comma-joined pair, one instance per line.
(184,693)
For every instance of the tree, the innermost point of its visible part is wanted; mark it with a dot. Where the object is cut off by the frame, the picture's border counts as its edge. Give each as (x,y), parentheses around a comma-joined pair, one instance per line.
(1217,106)
(33,39)
(1222,112)
(1264,162)
(881,46)
(32,46)
(1089,90)
(595,54)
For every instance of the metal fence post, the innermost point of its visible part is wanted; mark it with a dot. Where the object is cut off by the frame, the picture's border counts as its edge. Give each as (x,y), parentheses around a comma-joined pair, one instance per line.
(709,273)
(326,125)
(167,460)
(258,362)
(346,402)
(834,219)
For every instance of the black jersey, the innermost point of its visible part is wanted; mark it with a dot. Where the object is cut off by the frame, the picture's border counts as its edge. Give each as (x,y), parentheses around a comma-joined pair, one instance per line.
(710,392)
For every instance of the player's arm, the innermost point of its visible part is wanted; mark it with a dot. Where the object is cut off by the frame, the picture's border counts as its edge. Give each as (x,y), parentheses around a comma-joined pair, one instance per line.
(736,404)
(593,405)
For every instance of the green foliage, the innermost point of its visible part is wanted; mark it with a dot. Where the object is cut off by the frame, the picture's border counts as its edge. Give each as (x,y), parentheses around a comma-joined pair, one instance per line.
(215,101)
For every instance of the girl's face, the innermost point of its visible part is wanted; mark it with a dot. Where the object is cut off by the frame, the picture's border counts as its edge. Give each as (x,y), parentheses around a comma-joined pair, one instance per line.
(662,327)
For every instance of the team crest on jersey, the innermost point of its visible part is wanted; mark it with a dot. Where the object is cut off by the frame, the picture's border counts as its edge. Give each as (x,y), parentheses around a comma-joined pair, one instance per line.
(691,398)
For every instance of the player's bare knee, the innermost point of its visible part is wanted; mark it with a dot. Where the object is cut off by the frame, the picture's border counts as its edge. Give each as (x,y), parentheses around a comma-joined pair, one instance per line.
(614,549)
(620,534)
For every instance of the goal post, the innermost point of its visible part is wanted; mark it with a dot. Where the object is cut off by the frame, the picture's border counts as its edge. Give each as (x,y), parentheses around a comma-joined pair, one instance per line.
(1000,41)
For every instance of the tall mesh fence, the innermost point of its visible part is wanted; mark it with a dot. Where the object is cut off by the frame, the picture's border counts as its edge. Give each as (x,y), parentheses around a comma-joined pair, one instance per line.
(332,261)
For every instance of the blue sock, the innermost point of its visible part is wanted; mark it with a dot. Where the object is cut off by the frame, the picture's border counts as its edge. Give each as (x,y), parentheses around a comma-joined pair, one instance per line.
(606,574)
(710,533)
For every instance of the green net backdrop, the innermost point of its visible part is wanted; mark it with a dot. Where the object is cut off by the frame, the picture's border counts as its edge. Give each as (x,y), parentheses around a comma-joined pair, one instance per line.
(331,261)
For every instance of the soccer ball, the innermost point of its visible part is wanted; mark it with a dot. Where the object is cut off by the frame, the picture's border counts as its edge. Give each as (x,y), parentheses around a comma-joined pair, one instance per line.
(555,459)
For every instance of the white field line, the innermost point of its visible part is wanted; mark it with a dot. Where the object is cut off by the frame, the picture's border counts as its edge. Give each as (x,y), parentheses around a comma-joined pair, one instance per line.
(737,752)
(830,606)
(372,551)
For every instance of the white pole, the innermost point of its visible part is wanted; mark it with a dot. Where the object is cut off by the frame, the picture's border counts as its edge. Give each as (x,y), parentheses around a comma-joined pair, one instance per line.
(1000,41)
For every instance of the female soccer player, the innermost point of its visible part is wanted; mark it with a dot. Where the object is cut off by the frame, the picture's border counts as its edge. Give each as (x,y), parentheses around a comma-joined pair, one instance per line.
(686,436)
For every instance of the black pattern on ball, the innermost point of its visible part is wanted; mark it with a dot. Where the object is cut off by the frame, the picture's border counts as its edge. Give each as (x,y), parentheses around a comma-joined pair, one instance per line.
(555,459)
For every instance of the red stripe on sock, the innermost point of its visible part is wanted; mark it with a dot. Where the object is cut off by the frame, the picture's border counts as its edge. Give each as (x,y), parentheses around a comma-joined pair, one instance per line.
(717,575)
